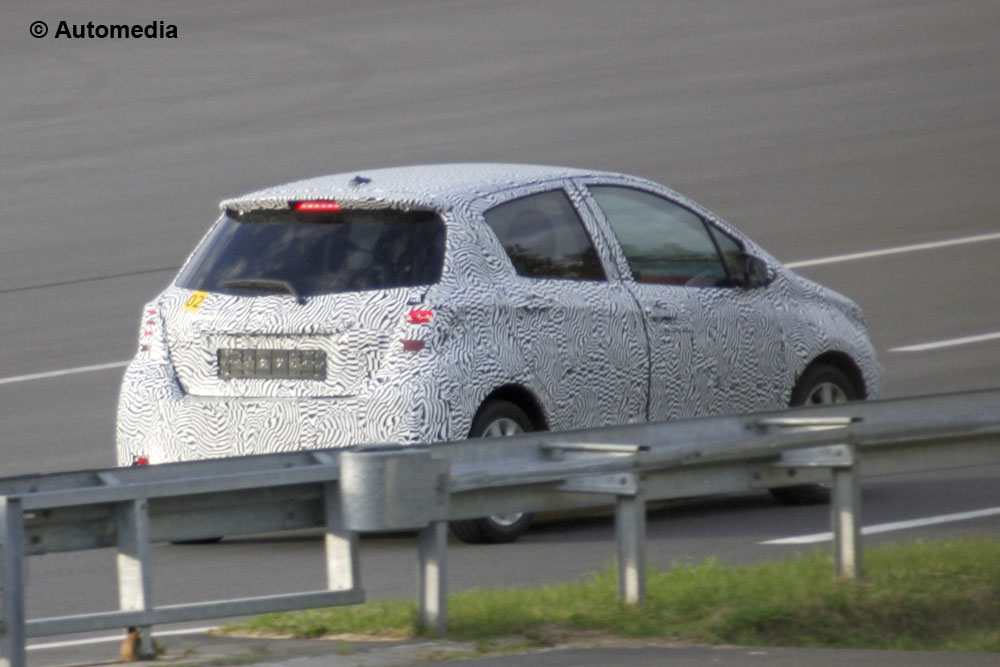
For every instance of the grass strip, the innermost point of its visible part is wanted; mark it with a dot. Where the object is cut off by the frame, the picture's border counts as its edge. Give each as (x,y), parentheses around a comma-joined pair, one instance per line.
(923,596)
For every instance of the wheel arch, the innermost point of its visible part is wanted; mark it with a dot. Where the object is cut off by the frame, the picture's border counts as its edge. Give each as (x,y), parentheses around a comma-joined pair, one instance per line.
(522,398)
(845,364)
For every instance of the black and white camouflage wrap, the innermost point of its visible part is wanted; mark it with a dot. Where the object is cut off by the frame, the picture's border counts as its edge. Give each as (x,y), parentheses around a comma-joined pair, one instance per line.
(586,351)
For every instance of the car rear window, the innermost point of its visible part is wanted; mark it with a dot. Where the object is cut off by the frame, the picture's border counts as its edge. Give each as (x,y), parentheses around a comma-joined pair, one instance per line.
(319,253)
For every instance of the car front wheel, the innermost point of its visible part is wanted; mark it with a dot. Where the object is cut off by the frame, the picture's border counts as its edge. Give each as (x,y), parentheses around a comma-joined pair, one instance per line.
(820,384)
(496,419)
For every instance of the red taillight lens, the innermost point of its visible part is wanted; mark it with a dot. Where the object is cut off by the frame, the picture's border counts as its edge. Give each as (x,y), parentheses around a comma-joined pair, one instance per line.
(140,461)
(418,316)
(150,333)
(316,206)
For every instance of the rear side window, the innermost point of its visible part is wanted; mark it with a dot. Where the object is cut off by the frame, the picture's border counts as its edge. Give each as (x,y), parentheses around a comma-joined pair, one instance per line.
(545,238)
(320,253)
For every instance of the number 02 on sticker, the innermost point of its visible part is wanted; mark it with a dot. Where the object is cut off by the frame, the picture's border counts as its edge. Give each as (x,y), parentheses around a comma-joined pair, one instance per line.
(195,301)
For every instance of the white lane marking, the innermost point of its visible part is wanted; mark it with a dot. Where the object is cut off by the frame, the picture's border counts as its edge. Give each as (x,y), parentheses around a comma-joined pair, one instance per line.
(65,371)
(895,525)
(951,342)
(116,638)
(894,251)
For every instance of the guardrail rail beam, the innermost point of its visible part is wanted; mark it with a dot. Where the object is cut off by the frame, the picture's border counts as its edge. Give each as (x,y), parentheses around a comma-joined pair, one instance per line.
(394,487)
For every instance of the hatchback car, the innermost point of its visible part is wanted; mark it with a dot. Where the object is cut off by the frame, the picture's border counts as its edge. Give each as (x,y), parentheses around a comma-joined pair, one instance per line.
(433,303)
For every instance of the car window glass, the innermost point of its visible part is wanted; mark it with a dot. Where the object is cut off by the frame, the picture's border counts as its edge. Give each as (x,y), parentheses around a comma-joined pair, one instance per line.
(731,251)
(545,238)
(320,253)
(662,241)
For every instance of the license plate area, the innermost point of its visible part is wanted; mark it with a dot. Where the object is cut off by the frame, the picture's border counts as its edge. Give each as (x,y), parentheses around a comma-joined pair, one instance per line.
(235,363)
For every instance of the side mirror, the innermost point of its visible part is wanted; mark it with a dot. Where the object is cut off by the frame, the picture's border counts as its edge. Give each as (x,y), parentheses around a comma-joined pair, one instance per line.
(756,272)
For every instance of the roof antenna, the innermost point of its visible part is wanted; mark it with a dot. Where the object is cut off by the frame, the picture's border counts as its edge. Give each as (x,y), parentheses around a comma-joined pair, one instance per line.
(360,180)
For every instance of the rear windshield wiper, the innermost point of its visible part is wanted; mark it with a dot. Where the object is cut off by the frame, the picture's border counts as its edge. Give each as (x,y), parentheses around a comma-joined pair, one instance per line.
(265,284)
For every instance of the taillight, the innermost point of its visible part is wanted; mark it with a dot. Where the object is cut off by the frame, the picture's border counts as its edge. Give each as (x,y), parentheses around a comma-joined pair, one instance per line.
(151,340)
(148,329)
(419,316)
(140,460)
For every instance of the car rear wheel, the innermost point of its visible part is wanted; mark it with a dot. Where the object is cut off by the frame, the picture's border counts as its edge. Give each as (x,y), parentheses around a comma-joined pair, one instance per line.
(821,384)
(496,419)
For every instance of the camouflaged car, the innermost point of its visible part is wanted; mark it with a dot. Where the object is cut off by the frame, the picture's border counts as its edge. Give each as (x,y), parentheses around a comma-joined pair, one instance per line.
(432,303)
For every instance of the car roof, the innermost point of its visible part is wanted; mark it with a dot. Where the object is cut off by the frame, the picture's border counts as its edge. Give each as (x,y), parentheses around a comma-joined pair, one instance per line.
(434,186)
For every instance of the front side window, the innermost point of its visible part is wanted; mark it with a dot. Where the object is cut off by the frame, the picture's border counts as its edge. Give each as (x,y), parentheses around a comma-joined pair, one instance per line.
(545,238)
(319,253)
(663,242)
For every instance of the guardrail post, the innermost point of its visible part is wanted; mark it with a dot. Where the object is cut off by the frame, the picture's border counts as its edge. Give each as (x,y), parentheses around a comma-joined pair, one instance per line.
(845,502)
(12,651)
(630,522)
(343,568)
(845,518)
(432,591)
(630,529)
(134,584)
(393,488)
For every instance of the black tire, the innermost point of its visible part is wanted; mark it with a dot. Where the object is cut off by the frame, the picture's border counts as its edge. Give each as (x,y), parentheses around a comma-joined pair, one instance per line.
(820,384)
(495,418)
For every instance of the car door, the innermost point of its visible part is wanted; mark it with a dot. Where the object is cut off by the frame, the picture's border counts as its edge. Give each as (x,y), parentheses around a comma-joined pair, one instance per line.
(704,329)
(754,354)
(579,329)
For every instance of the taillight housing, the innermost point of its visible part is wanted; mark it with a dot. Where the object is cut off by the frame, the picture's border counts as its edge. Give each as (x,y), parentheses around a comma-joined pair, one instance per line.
(152,341)
(417,316)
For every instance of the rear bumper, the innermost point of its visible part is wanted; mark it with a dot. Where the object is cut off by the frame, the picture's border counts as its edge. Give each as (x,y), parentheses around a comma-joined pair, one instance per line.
(156,420)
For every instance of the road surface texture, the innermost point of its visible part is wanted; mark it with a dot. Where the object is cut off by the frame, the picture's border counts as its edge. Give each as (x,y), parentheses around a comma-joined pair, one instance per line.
(821,129)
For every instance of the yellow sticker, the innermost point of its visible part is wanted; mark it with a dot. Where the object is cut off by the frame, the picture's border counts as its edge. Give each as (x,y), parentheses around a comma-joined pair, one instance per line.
(194,303)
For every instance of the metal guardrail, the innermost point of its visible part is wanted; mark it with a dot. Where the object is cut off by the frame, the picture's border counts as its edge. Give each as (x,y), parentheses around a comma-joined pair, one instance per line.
(375,488)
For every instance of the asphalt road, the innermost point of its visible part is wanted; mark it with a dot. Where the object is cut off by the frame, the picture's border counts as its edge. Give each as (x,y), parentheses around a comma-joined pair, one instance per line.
(820,129)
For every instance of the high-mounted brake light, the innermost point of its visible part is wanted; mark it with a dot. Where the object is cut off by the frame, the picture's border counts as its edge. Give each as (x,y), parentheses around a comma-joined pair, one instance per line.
(316,206)
(419,316)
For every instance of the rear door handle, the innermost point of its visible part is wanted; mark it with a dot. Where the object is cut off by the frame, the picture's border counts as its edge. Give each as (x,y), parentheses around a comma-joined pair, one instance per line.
(537,304)
(663,312)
